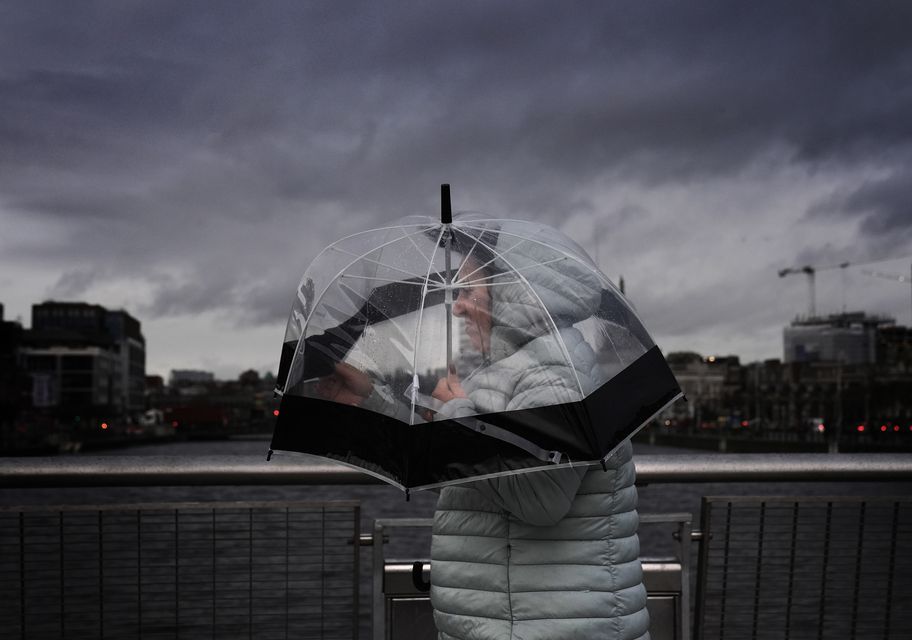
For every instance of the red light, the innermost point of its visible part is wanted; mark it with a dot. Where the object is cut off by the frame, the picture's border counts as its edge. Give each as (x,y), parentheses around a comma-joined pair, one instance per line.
(104,425)
(275,413)
(895,427)
(883,427)
(744,423)
(821,428)
(860,427)
(174,424)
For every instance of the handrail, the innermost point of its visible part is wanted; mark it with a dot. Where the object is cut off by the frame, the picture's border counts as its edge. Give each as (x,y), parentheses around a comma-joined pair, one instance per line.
(139,471)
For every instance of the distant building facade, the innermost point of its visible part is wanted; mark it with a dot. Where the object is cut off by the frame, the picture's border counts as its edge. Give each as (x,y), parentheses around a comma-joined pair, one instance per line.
(85,358)
(182,377)
(708,384)
(894,348)
(13,379)
(850,338)
(843,373)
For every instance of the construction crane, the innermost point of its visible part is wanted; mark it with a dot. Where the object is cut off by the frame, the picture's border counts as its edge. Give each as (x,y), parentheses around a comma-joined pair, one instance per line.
(892,276)
(810,271)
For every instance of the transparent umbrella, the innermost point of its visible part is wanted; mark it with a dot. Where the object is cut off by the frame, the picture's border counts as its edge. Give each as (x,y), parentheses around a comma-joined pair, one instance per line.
(436,351)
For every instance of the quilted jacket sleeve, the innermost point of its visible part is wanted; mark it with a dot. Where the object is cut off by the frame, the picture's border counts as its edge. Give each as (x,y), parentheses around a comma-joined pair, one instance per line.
(540,498)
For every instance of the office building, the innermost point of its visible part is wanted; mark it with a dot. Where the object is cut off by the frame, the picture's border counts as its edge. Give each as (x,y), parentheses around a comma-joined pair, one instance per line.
(85,358)
(849,338)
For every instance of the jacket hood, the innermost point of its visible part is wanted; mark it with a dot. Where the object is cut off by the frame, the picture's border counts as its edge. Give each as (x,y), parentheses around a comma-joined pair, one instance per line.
(543,290)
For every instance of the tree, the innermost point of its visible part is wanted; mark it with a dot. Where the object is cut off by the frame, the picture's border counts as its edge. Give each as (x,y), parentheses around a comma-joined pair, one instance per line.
(249,378)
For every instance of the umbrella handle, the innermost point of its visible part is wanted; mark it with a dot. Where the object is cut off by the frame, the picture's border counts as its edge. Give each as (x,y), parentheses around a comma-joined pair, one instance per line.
(446,208)
(418,579)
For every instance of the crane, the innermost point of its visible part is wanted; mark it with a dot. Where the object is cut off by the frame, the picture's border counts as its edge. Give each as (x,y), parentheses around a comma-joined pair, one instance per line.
(891,276)
(810,271)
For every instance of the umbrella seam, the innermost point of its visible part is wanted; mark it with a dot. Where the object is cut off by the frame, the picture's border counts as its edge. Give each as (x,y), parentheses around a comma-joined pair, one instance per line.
(424,293)
(534,266)
(377,262)
(576,259)
(417,248)
(541,303)
(480,268)
(532,239)
(593,268)
(429,225)
(332,245)
(319,299)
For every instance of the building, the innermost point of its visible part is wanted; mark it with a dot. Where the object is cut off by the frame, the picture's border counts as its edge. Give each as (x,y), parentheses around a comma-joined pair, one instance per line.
(849,338)
(709,384)
(894,348)
(13,381)
(132,348)
(189,377)
(85,359)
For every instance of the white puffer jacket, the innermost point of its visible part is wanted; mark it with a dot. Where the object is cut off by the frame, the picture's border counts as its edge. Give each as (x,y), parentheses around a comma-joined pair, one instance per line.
(540,556)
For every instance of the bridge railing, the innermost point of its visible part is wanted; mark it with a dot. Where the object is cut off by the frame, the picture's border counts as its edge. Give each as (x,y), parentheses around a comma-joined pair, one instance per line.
(799,565)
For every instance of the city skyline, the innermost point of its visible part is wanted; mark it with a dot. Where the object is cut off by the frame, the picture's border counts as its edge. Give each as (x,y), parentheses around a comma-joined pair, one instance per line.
(186,164)
(841,319)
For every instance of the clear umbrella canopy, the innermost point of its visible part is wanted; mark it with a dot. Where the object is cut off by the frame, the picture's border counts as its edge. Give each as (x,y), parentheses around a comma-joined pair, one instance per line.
(512,318)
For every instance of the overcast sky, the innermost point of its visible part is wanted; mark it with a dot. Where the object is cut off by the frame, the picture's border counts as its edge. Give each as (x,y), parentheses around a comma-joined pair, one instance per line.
(186,161)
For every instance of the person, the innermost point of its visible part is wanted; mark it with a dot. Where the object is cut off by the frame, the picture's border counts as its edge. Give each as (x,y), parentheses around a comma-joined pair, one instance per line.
(546,555)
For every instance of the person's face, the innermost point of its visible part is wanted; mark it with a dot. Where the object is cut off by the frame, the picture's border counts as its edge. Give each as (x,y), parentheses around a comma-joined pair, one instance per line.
(473,304)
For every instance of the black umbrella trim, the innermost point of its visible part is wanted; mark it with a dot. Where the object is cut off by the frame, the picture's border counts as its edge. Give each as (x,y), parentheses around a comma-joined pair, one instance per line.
(445,451)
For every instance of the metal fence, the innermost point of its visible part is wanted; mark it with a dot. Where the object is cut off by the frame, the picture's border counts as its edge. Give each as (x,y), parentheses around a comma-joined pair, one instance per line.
(808,567)
(110,471)
(797,567)
(180,570)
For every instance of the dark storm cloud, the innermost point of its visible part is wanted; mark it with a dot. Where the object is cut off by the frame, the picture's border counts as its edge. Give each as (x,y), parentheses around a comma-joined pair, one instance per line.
(223,138)
(887,205)
(883,208)
(73,284)
(241,300)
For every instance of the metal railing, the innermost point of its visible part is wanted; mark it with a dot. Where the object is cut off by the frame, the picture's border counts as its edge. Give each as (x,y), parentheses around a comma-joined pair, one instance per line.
(715,615)
(108,471)
(274,569)
(805,567)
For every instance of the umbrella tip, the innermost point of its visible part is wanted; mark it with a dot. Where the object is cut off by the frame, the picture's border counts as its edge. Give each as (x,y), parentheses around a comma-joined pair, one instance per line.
(446,209)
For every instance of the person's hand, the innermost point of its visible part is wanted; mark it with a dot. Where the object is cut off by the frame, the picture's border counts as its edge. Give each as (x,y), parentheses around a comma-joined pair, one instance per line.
(449,388)
(355,379)
(346,385)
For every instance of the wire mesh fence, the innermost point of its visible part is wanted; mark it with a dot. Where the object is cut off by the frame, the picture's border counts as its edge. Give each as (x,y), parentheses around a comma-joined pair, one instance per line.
(810,567)
(180,570)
